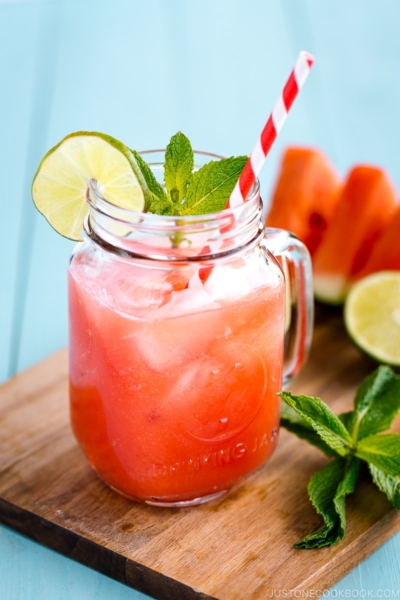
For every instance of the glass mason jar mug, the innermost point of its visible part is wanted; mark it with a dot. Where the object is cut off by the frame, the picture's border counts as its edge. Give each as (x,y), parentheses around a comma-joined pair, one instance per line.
(178,330)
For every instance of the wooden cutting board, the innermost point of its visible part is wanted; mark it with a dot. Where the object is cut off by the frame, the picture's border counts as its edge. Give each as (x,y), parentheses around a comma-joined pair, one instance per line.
(239,547)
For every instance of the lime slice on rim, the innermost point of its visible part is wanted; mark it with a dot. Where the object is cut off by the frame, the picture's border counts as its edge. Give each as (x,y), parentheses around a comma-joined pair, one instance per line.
(60,184)
(372,316)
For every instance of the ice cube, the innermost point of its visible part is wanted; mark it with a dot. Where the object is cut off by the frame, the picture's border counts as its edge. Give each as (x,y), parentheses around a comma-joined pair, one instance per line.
(130,294)
(170,343)
(226,281)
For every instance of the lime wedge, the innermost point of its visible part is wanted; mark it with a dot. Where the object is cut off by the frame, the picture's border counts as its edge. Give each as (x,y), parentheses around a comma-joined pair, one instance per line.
(60,184)
(372,316)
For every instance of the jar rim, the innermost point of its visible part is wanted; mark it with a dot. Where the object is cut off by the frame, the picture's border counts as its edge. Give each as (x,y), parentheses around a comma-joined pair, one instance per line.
(172,237)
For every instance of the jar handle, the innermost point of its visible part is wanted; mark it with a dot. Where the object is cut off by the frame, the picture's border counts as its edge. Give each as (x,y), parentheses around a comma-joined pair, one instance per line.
(295,262)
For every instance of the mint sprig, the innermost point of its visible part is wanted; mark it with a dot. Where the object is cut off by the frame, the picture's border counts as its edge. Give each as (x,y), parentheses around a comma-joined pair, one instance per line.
(188,192)
(351,437)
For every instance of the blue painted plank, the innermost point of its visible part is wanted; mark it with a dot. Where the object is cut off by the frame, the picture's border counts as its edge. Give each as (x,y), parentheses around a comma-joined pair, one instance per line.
(46,278)
(17,40)
(44,50)
(359,57)
(376,577)
(33,572)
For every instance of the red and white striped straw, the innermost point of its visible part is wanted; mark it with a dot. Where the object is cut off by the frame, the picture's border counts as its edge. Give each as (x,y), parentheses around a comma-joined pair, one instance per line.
(273,126)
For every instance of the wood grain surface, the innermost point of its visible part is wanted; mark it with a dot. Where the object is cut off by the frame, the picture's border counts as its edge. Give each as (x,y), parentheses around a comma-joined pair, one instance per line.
(239,547)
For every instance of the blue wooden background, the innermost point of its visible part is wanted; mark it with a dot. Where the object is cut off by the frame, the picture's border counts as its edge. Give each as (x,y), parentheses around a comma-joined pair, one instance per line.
(141,70)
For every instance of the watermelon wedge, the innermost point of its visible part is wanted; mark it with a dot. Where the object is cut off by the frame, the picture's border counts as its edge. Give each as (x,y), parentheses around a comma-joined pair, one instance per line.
(305,195)
(366,205)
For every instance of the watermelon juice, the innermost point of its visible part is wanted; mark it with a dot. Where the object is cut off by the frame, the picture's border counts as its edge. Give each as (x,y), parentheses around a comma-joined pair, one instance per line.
(174,380)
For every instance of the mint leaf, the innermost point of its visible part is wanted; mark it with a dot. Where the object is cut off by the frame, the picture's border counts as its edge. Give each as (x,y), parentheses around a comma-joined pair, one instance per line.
(156,198)
(382,451)
(377,403)
(291,421)
(178,168)
(327,490)
(388,484)
(212,185)
(328,426)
